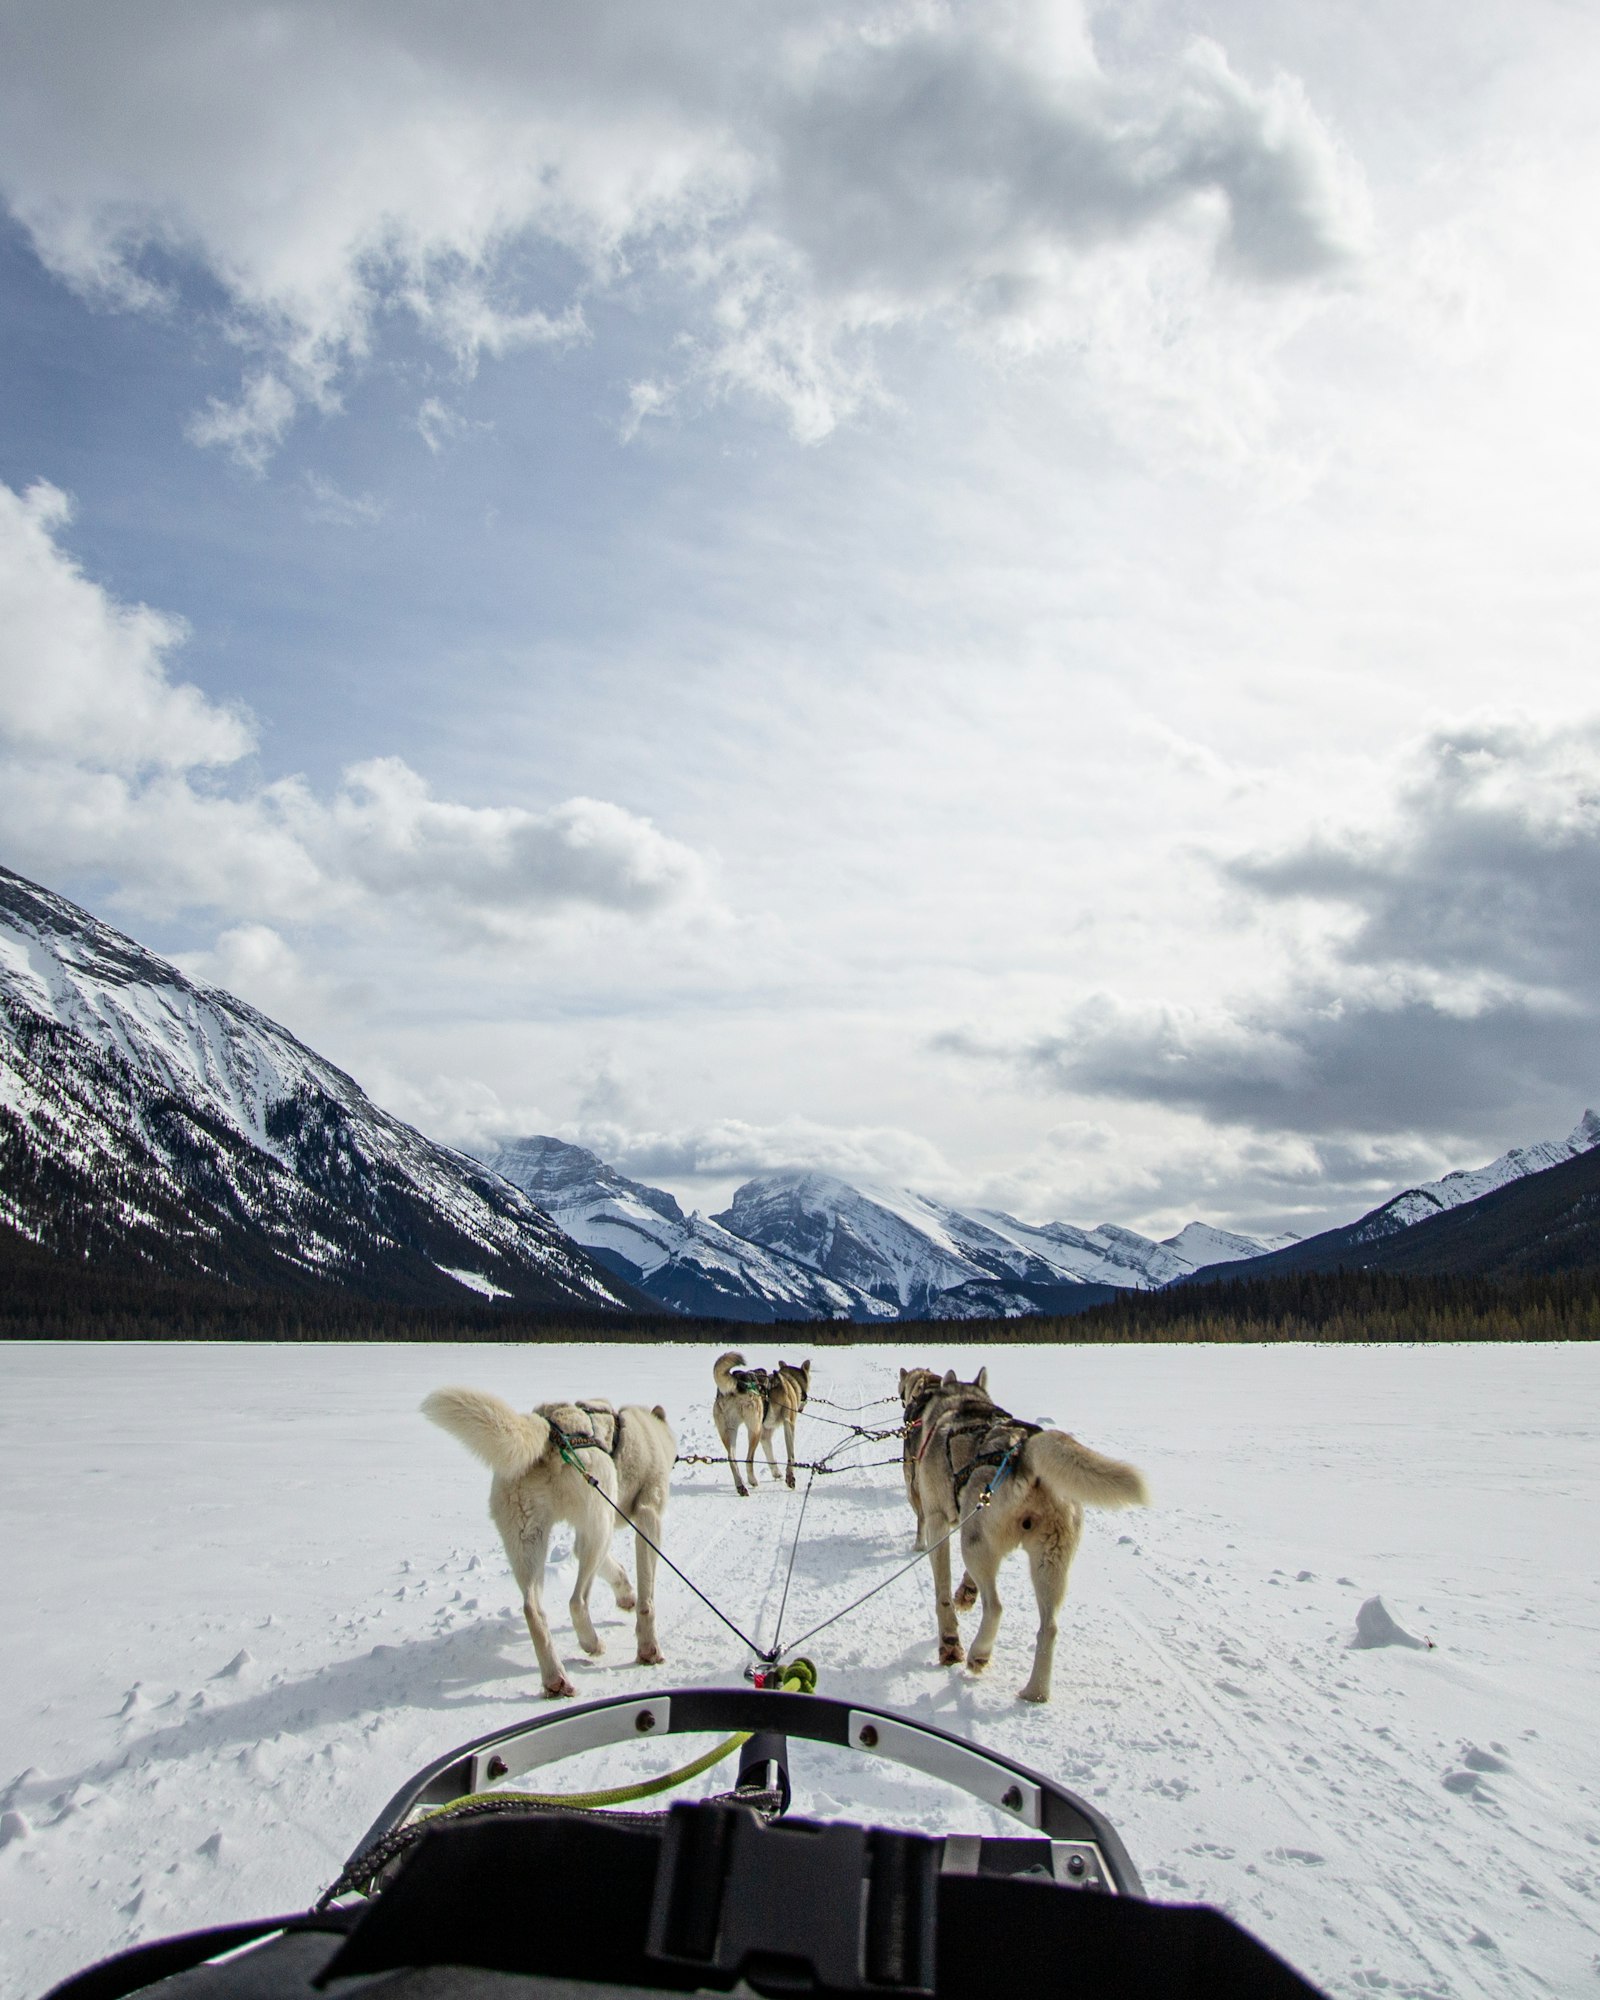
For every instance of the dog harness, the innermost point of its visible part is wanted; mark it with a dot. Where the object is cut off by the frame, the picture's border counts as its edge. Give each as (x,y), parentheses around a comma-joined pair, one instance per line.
(761,1382)
(1000,1444)
(593,1411)
(971,1413)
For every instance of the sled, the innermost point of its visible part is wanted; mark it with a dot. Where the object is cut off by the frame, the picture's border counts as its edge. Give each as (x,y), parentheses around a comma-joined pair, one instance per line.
(486,1894)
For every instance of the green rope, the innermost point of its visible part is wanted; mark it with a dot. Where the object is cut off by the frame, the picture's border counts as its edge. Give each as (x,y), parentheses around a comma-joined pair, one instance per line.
(798,1678)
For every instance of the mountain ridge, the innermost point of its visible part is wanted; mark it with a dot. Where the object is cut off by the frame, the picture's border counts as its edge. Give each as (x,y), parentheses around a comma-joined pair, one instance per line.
(149,1119)
(1455,1229)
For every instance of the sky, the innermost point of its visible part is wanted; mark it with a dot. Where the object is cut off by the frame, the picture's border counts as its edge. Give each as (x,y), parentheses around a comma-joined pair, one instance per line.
(996,598)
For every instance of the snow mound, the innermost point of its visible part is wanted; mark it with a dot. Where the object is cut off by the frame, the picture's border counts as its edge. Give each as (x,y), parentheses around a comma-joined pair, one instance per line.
(1375,1627)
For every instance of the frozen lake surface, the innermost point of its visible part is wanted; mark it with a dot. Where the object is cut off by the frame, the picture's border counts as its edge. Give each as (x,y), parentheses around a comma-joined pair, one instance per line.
(248,1589)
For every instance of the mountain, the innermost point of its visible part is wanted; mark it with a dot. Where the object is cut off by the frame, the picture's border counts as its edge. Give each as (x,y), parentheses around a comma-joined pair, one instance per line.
(153,1123)
(681,1261)
(1420,1204)
(927,1260)
(1530,1211)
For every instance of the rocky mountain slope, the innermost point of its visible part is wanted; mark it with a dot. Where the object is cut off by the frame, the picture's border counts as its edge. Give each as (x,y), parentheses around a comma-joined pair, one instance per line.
(1421,1204)
(928,1260)
(1535,1209)
(152,1122)
(808,1246)
(683,1261)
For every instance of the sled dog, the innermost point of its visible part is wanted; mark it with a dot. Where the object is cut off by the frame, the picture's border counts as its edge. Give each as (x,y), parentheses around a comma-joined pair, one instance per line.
(979,1475)
(757,1400)
(924,1392)
(629,1451)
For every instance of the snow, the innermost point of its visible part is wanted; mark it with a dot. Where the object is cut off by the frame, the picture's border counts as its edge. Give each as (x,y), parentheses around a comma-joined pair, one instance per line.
(932,1259)
(475,1281)
(249,1589)
(660,1246)
(1471,1183)
(147,1051)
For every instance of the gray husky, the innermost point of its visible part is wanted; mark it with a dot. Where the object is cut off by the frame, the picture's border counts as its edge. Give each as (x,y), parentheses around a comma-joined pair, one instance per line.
(757,1401)
(977,1474)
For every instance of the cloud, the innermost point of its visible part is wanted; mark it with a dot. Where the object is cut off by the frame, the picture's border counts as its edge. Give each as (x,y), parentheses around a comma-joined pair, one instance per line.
(1491,868)
(384,830)
(330,503)
(1158,1174)
(439,425)
(1456,989)
(79,671)
(250,428)
(108,765)
(730,1148)
(794,183)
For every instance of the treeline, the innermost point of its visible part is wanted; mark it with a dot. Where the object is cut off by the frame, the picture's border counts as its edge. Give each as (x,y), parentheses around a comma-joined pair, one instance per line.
(49,1297)
(44,1296)
(1352,1306)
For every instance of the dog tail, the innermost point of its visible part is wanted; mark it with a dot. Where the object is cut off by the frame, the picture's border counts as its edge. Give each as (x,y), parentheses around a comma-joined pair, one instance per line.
(507,1441)
(1071,1471)
(722,1371)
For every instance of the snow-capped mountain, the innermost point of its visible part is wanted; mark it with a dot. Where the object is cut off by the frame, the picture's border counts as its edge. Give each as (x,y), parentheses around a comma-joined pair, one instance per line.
(682,1261)
(927,1259)
(154,1122)
(1468,1183)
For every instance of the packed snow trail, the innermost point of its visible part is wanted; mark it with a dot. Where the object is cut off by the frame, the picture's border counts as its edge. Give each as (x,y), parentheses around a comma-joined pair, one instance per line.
(249,1590)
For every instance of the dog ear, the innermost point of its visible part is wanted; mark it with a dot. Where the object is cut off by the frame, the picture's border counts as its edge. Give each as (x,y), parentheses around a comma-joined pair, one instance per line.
(659,1412)
(982,1379)
(950,1381)
(805,1368)
(904,1372)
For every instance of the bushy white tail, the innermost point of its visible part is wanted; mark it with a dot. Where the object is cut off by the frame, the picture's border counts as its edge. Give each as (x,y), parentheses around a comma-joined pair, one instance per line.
(505,1439)
(722,1371)
(1072,1471)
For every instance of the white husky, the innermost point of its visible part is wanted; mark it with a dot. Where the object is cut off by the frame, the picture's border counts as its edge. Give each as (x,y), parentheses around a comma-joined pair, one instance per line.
(629,1451)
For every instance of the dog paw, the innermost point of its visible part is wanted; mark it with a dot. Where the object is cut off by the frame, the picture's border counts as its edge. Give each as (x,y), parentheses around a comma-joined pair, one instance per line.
(951,1653)
(651,1656)
(966,1596)
(976,1662)
(627,1601)
(561,1686)
(789,1481)
(1031,1693)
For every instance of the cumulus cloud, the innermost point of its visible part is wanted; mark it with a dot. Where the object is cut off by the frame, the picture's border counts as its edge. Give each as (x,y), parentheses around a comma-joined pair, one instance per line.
(1491,868)
(1157,1174)
(730,1148)
(801,181)
(82,672)
(384,830)
(108,764)
(1458,986)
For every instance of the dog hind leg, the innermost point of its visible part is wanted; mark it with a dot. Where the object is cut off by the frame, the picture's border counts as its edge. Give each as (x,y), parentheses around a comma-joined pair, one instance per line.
(950,1654)
(647,1519)
(527,1562)
(983,1570)
(728,1431)
(592,1546)
(1049,1560)
(617,1577)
